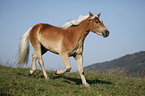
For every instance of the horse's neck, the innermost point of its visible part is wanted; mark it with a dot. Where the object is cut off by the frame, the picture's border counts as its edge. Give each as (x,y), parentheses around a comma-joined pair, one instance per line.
(80,32)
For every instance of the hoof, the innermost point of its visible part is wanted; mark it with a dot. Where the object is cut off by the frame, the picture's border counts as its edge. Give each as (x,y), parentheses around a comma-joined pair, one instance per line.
(58,72)
(31,71)
(47,78)
(30,74)
(87,85)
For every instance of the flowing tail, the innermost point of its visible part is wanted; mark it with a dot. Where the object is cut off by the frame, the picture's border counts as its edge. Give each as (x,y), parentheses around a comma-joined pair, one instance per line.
(24,48)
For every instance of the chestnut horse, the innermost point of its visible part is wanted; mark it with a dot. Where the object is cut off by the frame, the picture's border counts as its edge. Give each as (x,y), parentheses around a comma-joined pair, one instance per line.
(65,41)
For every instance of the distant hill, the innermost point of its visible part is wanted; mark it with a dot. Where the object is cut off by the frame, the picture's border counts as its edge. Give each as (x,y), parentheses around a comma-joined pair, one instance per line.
(132,65)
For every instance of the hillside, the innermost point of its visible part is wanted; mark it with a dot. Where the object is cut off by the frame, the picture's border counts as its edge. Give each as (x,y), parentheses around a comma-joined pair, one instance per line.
(17,82)
(132,65)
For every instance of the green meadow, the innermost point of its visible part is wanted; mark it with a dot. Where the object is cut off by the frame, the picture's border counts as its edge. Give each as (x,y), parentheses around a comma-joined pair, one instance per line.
(17,82)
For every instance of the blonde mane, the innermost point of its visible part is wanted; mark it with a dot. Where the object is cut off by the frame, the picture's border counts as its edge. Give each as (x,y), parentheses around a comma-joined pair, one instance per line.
(70,23)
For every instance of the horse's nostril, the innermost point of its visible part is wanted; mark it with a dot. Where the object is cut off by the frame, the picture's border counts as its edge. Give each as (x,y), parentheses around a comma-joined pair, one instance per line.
(105,33)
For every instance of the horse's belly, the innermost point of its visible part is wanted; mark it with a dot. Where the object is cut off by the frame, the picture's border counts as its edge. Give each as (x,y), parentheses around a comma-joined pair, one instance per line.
(54,47)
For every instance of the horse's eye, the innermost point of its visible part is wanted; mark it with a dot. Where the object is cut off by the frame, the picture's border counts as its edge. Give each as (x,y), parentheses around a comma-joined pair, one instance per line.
(97,21)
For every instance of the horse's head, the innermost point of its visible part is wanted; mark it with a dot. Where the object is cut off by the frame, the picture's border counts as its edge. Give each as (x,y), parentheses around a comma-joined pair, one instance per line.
(97,26)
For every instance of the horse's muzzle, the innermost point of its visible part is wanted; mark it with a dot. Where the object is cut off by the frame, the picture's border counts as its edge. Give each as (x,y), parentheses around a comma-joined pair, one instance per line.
(105,33)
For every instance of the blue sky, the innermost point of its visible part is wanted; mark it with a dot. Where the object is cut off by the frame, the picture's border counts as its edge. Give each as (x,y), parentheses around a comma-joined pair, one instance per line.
(125,19)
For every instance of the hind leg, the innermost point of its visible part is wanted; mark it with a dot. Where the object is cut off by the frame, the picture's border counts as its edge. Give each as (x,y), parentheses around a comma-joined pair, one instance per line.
(42,67)
(38,54)
(40,61)
(34,58)
(33,36)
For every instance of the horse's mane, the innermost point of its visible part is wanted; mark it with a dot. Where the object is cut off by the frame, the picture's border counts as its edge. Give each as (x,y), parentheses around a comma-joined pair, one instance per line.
(77,22)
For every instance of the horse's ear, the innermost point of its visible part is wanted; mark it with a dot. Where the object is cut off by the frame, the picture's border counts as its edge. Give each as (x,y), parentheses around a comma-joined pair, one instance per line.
(90,14)
(99,14)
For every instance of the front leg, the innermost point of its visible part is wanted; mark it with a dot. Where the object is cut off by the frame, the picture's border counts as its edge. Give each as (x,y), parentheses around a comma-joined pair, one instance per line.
(79,59)
(66,62)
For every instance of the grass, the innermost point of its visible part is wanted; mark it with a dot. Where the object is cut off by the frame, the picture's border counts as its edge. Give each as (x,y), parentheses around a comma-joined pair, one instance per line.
(16,81)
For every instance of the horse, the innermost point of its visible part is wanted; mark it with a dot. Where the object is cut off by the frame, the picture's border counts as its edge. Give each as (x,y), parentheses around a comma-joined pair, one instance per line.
(65,41)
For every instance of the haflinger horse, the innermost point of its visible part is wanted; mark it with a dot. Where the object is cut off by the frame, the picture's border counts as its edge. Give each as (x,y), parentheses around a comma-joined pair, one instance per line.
(66,41)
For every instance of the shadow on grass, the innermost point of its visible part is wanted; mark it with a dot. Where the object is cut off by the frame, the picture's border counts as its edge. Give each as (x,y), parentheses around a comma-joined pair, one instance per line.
(67,79)
(34,75)
(79,81)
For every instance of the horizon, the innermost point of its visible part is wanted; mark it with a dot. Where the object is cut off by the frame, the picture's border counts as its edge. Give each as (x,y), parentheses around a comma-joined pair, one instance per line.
(14,65)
